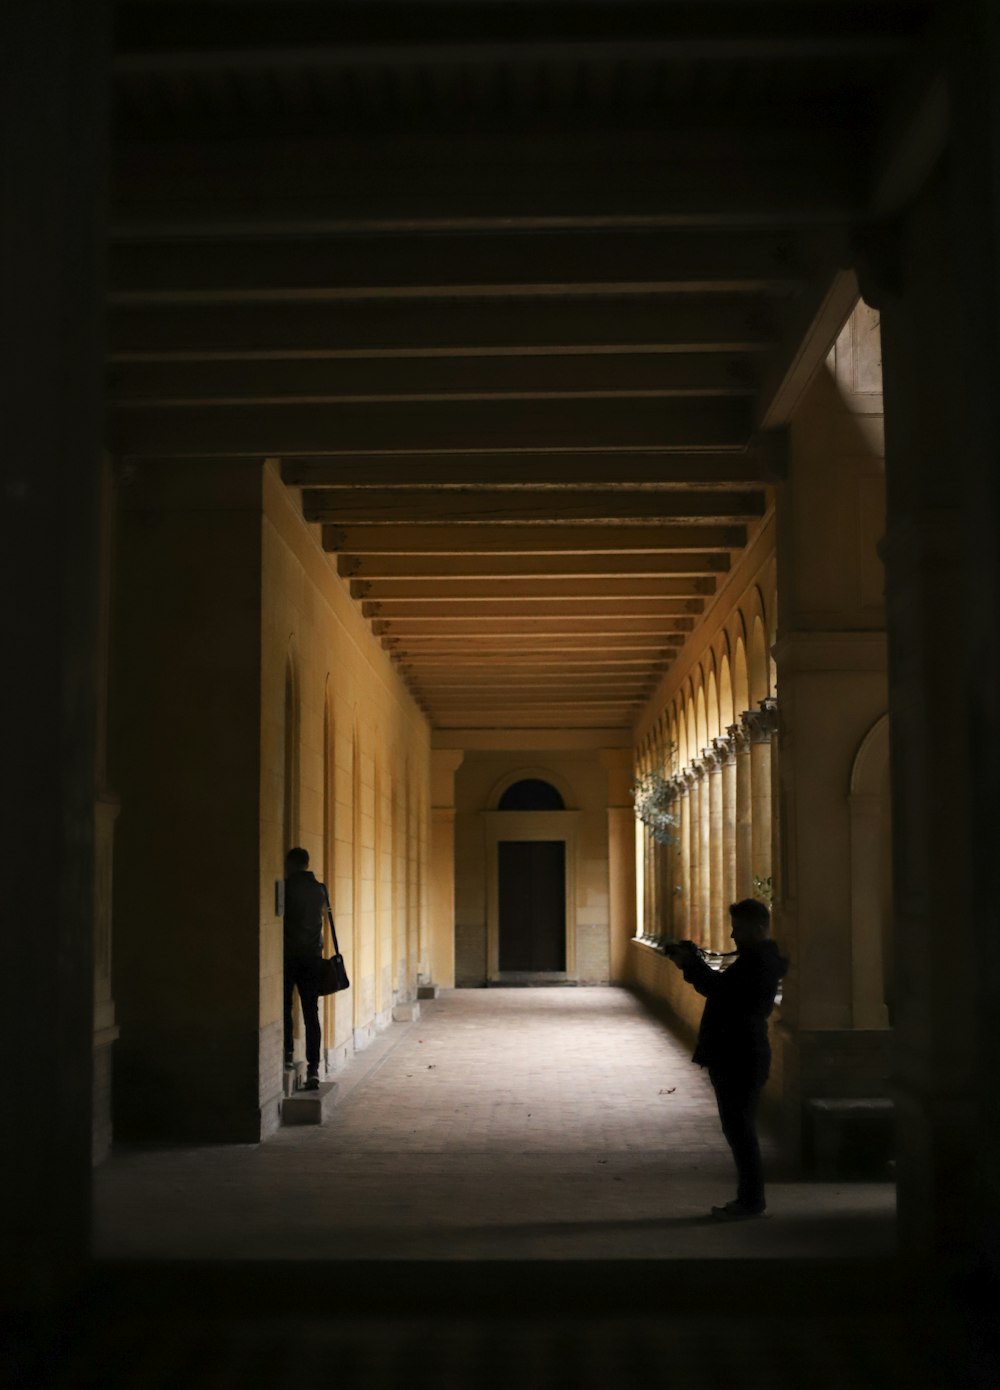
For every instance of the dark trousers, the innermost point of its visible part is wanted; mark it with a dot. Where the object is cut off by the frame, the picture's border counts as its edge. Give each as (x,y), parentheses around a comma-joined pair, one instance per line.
(737,1096)
(301,975)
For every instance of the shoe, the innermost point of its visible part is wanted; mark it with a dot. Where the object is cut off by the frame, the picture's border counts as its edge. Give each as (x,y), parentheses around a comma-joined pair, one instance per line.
(738,1211)
(311,1083)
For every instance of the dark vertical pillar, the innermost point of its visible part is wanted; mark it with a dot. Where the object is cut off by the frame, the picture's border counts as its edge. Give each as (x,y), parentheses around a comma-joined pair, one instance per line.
(976,231)
(54,83)
(938,288)
(925,460)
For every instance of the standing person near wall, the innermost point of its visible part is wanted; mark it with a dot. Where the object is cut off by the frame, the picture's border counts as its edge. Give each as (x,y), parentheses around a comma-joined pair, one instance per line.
(733,1041)
(305,903)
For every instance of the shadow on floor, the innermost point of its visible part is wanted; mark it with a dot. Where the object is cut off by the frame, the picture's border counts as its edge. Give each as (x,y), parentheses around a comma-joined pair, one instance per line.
(694,1325)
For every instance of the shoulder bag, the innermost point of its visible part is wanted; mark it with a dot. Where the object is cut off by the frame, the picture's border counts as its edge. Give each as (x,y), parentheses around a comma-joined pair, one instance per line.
(332,974)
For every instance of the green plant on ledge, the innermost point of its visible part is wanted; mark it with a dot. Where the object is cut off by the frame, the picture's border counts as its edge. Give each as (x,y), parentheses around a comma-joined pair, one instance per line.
(653,795)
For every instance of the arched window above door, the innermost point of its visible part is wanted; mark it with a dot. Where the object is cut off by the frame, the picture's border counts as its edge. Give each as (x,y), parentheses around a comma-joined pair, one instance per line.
(531,794)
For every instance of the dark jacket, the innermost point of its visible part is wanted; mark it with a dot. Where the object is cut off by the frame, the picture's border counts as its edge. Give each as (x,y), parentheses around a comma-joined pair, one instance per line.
(305,907)
(733,1033)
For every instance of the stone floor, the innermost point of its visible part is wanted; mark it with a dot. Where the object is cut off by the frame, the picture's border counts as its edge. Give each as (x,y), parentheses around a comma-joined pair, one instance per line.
(511,1192)
(503,1124)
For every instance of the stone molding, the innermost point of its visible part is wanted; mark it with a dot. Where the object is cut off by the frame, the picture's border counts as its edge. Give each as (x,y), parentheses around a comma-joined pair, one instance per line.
(739,737)
(725,749)
(763,722)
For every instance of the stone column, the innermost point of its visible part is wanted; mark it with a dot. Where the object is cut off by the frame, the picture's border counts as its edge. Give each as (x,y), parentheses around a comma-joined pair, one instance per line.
(438,968)
(622,830)
(54,110)
(695,919)
(726,753)
(740,739)
(704,852)
(937,291)
(760,725)
(716,852)
(682,909)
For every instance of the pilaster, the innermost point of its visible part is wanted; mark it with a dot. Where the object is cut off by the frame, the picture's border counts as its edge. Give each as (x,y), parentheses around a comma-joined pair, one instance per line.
(55,62)
(439,969)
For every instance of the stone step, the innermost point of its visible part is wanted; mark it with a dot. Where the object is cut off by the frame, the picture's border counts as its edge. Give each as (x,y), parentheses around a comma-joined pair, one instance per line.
(293,1077)
(309,1107)
(406,1013)
(427,991)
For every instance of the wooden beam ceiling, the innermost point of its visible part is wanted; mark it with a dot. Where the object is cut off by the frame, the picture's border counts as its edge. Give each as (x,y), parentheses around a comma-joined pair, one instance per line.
(521,308)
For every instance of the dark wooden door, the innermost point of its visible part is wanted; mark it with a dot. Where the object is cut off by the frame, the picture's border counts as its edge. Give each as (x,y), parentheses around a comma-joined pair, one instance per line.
(532,884)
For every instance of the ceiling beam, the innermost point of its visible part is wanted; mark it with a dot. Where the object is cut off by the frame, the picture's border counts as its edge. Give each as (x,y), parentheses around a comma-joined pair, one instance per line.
(494,726)
(729,195)
(758,464)
(554,263)
(353,510)
(547,646)
(475,565)
(343,380)
(515,630)
(407,593)
(542,538)
(543,680)
(810,333)
(454,327)
(186,37)
(528,610)
(524,662)
(279,430)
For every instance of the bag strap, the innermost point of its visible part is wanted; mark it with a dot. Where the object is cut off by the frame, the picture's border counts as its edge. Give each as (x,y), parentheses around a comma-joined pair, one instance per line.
(329,913)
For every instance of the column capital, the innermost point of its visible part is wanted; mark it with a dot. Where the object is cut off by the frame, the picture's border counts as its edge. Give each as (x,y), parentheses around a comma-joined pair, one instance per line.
(712,758)
(739,737)
(725,749)
(763,722)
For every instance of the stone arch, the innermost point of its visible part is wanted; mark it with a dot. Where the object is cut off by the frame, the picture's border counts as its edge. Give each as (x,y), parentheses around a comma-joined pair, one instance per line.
(531,794)
(701,721)
(759,668)
(872,966)
(727,710)
(544,774)
(741,677)
(683,757)
(711,707)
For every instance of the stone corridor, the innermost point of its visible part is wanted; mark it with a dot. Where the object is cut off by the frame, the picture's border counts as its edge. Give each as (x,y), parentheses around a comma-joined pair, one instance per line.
(510,1192)
(561,1124)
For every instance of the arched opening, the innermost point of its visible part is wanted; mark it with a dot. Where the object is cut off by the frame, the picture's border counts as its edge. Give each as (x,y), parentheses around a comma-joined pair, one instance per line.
(531,794)
(741,680)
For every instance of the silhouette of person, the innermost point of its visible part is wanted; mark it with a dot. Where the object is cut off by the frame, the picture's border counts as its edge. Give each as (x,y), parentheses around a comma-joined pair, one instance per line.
(305,904)
(733,1042)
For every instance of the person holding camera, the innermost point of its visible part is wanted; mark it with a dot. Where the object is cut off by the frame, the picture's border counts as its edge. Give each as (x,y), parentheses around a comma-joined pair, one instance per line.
(733,1042)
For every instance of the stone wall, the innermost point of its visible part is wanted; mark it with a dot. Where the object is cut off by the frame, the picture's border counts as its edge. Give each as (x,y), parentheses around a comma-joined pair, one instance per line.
(251,708)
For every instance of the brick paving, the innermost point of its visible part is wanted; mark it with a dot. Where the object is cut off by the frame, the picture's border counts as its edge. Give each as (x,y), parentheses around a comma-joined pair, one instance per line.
(503,1124)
